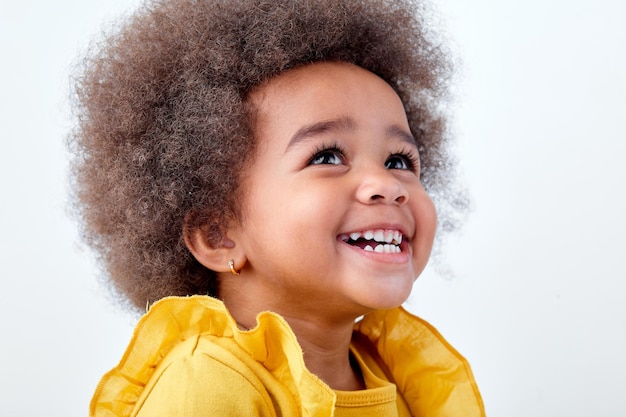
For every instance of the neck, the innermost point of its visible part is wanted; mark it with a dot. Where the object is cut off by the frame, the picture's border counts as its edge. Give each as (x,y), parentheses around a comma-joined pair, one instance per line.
(325,341)
(327,353)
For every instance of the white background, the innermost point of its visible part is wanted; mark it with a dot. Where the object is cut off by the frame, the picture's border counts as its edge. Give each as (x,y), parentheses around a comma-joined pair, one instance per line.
(537,299)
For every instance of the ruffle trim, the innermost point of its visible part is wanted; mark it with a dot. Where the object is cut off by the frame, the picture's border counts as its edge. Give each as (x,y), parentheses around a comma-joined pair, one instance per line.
(430,374)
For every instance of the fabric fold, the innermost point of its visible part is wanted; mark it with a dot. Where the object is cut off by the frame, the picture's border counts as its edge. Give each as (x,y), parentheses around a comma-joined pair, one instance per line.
(431,377)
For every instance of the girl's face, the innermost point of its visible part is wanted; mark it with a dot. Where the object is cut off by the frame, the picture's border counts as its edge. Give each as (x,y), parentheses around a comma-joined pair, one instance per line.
(335,219)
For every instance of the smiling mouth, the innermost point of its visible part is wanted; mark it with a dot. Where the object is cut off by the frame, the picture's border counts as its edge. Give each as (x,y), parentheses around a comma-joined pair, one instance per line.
(378,240)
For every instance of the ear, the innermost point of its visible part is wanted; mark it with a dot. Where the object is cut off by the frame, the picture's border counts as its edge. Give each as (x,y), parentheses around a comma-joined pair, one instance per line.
(211,255)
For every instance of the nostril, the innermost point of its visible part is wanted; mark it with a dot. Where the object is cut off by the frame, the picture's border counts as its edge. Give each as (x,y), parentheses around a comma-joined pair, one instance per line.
(378,197)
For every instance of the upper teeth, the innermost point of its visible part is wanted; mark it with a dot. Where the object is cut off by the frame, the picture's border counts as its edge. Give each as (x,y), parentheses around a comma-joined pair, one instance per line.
(393,237)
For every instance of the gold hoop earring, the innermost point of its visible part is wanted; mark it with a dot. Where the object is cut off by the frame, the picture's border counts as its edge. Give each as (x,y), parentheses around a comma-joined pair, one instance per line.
(231,264)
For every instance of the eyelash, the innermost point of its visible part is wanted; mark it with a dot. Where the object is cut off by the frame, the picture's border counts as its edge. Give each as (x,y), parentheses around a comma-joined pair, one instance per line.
(410,157)
(322,149)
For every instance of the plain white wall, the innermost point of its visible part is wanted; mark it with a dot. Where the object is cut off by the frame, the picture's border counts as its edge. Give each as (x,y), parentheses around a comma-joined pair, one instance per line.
(536,299)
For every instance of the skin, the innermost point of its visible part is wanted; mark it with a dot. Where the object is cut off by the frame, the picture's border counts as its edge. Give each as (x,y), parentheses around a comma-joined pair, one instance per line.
(335,156)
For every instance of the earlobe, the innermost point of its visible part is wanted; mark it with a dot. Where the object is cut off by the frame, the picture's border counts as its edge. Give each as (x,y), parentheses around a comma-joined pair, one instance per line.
(216,257)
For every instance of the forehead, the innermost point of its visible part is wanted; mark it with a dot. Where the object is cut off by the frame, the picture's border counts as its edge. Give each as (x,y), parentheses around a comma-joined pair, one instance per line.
(327,91)
(316,76)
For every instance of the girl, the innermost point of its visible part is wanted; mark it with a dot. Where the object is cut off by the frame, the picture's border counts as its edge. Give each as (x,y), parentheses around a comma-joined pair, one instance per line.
(255,166)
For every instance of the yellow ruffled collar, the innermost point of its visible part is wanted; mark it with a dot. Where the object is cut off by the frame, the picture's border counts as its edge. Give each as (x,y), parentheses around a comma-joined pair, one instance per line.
(432,377)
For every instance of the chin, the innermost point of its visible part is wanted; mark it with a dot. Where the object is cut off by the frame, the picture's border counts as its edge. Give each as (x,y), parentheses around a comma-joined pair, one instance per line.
(383,300)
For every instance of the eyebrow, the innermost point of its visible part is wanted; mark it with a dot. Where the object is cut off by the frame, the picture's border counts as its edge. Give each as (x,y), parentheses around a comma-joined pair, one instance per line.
(342,124)
(397,131)
(314,129)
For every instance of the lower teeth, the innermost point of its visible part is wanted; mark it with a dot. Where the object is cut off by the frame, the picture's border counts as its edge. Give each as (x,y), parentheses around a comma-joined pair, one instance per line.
(383,249)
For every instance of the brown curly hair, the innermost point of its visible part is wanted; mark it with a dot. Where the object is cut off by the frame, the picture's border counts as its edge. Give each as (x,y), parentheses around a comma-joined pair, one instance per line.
(164,130)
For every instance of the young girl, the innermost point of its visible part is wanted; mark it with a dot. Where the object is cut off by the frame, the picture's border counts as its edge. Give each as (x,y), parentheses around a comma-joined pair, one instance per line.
(251,171)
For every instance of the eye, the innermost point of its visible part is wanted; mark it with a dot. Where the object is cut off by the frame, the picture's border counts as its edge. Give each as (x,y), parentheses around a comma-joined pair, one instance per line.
(327,155)
(407,161)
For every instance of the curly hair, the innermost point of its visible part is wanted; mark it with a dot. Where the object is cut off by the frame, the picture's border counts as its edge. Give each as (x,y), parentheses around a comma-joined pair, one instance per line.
(164,127)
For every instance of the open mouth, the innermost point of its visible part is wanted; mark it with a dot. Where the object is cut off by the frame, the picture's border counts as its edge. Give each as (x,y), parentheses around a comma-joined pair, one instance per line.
(378,240)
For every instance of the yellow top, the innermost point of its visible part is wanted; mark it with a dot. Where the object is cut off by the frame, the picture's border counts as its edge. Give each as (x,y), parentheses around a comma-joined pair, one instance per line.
(188,358)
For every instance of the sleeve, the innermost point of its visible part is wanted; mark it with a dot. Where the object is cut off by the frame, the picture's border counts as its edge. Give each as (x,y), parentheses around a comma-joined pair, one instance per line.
(199,386)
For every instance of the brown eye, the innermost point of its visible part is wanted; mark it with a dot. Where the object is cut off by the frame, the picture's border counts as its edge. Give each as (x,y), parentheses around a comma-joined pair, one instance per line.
(332,155)
(401,161)
(330,158)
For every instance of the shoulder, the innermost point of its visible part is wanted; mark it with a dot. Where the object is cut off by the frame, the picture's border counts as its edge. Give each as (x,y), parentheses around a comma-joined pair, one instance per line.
(431,375)
(183,360)
(200,377)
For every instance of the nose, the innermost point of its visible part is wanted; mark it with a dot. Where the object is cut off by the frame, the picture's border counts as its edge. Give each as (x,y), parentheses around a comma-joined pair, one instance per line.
(382,187)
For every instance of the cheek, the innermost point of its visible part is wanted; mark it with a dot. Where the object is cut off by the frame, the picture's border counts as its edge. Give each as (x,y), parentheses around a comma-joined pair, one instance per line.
(426,226)
(308,211)
(428,216)
(286,208)
(424,212)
